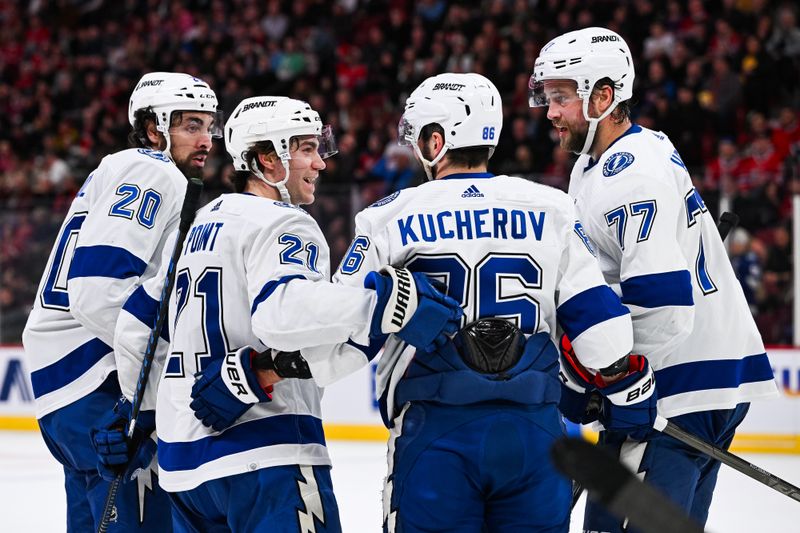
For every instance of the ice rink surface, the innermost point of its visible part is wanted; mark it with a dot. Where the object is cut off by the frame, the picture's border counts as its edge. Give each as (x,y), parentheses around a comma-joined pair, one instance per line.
(32,497)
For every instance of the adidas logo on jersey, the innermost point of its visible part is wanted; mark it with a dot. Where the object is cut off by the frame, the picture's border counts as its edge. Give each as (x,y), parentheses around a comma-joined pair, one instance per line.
(472,192)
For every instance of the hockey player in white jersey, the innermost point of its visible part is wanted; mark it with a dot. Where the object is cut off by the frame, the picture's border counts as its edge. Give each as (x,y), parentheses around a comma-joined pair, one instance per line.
(111,241)
(658,246)
(472,420)
(240,448)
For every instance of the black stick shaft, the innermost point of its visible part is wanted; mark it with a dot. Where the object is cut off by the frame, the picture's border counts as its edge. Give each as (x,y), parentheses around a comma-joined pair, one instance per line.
(193,189)
(733,461)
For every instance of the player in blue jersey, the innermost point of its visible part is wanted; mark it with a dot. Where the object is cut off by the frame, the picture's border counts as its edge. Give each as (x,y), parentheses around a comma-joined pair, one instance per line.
(659,247)
(110,243)
(241,447)
(472,421)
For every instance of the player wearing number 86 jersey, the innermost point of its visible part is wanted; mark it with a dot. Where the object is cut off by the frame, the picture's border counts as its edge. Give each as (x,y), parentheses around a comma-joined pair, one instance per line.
(470,428)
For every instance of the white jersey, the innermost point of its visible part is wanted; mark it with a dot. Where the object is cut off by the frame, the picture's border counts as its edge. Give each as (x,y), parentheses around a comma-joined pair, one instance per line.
(111,241)
(505,247)
(659,247)
(253,272)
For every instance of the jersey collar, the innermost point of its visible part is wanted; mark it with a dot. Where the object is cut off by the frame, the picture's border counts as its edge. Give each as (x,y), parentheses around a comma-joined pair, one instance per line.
(635,128)
(468,175)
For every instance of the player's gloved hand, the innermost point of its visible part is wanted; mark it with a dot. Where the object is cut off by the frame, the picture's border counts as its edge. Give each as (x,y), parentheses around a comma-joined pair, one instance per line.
(226,389)
(578,401)
(629,403)
(410,306)
(118,454)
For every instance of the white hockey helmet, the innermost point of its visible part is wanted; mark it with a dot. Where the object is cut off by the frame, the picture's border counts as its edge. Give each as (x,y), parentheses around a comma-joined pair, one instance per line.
(167,92)
(467,106)
(276,119)
(585,56)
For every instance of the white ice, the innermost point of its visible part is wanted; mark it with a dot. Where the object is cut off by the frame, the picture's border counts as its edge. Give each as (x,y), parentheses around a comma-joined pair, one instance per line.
(32,494)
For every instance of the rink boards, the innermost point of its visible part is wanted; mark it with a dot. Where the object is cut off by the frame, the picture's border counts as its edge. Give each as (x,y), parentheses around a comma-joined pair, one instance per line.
(350,410)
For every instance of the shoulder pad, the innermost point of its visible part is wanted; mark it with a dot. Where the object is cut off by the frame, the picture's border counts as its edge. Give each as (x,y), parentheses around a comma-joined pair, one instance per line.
(386,200)
(616,163)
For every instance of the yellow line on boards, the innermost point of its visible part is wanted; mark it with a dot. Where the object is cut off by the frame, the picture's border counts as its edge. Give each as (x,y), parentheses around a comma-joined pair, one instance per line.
(752,443)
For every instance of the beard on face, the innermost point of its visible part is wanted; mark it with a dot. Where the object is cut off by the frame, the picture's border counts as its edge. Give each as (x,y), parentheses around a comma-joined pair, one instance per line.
(575,138)
(188,169)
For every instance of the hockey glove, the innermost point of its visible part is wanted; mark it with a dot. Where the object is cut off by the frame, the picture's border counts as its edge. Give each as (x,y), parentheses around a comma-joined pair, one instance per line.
(578,403)
(226,389)
(629,404)
(410,306)
(115,452)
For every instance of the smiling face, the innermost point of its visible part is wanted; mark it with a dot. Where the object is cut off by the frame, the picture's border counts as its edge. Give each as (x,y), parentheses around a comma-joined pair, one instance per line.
(304,167)
(565,111)
(190,142)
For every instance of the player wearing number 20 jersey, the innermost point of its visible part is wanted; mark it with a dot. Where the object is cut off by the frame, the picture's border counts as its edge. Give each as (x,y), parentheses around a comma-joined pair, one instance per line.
(111,242)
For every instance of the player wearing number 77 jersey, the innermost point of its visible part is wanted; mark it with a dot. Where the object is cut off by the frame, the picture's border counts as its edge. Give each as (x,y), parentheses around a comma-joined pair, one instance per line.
(472,421)
(240,449)
(110,243)
(658,245)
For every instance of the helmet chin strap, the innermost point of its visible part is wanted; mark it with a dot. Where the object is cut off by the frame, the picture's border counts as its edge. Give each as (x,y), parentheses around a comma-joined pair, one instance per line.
(280,185)
(427,166)
(593,122)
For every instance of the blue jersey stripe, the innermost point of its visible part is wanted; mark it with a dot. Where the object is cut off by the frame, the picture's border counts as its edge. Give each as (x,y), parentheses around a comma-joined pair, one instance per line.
(589,308)
(719,374)
(144,308)
(271,431)
(105,261)
(658,290)
(68,368)
(375,345)
(269,287)
(469,175)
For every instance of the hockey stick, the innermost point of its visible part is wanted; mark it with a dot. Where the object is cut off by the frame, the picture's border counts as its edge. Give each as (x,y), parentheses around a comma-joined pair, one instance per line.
(727,221)
(193,189)
(726,457)
(618,489)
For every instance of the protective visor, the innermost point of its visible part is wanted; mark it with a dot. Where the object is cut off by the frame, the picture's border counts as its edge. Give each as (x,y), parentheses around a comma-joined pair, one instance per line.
(327,142)
(190,123)
(560,93)
(405,133)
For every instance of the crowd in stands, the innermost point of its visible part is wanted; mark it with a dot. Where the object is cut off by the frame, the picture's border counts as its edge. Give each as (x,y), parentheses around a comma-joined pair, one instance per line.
(721,78)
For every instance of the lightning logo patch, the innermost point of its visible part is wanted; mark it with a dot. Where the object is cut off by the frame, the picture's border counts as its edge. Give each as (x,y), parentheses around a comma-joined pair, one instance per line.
(309,493)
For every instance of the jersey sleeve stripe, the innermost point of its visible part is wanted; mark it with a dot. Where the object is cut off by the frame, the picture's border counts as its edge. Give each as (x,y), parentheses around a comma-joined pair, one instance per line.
(145,308)
(269,287)
(68,368)
(714,374)
(375,345)
(587,309)
(658,290)
(105,261)
(270,431)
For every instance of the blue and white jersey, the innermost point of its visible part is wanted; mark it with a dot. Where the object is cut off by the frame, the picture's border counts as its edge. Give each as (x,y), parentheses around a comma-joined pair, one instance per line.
(253,272)
(505,247)
(110,242)
(660,249)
